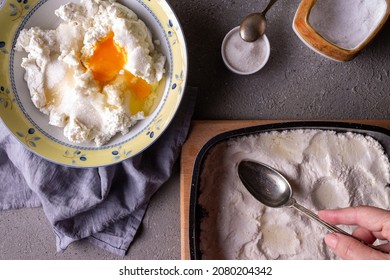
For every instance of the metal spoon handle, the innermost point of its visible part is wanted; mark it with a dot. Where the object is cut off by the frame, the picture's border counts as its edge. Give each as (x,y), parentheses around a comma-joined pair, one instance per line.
(331,228)
(268,6)
(315,217)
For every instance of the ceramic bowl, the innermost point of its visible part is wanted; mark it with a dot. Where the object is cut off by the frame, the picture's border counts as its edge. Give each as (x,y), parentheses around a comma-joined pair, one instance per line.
(337,29)
(244,58)
(31,127)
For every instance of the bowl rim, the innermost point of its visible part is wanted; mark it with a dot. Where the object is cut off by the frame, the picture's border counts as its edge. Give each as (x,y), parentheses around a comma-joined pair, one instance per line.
(321,45)
(196,212)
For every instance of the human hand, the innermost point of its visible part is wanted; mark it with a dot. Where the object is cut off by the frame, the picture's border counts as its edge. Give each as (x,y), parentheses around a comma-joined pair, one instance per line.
(372,224)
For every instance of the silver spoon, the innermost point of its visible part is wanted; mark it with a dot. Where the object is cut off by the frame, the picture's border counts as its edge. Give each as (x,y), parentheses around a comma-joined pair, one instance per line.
(272,189)
(253,26)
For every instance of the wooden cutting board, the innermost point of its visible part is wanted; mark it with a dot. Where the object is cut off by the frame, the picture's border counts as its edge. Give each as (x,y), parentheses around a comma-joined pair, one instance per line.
(200,133)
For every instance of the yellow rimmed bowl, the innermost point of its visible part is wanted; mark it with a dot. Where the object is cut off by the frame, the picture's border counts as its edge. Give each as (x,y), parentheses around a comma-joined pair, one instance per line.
(31,127)
(339,30)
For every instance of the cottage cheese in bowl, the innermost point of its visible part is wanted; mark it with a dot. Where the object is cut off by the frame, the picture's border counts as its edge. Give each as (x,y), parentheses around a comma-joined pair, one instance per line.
(96,74)
(109,77)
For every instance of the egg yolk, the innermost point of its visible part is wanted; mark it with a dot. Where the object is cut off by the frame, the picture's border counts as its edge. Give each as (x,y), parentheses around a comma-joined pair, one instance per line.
(140,91)
(138,86)
(108,61)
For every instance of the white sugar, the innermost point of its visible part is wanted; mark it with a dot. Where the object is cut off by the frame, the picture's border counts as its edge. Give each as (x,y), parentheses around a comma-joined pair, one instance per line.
(347,23)
(243,56)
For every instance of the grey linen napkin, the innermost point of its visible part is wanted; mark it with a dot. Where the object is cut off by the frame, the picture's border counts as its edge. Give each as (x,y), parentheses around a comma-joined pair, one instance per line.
(105,205)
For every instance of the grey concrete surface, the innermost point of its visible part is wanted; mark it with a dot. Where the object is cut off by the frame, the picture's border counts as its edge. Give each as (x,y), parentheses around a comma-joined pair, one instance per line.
(295,84)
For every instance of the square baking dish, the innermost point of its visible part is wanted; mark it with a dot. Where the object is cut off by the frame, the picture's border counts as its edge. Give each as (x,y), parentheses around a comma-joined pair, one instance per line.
(196,212)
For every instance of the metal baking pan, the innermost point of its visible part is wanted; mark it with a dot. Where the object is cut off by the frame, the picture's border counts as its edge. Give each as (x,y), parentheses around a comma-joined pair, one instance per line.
(196,212)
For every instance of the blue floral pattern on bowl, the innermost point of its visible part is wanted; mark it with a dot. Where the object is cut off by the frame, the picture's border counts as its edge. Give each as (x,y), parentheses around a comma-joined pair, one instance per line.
(18,9)
(120,153)
(172,32)
(75,156)
(179,80)
(29,138)
(151,132)
(5,98)
(3,47)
